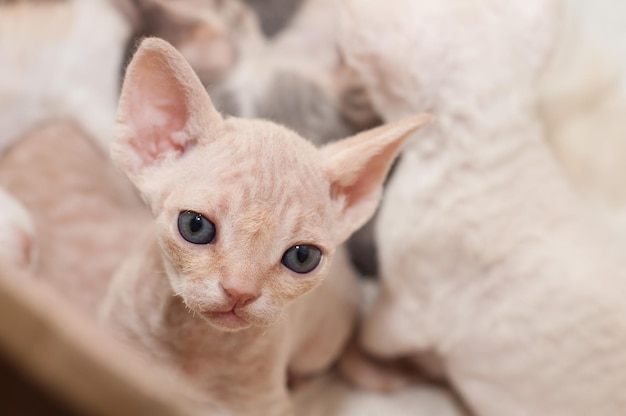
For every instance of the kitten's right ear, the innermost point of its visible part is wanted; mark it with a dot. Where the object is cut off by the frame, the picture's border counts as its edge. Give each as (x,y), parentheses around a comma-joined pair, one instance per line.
(164,110)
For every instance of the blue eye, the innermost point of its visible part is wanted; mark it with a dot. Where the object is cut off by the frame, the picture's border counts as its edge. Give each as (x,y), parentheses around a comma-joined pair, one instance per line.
(195,228)
(302,259)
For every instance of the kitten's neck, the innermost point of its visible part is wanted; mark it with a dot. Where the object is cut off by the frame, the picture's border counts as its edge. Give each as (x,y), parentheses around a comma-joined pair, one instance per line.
(142,309)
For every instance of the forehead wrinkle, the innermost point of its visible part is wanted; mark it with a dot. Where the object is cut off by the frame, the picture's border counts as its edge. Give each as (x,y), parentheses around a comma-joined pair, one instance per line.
(263,176)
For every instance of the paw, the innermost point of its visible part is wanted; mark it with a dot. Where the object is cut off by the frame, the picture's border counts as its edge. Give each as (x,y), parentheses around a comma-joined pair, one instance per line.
(17,232)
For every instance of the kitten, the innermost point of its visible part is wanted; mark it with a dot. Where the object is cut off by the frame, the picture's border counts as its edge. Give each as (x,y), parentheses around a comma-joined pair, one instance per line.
(489,259)
(229,285)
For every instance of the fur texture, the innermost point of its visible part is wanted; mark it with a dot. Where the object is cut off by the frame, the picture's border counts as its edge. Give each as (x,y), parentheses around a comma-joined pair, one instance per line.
(227,313)
(490,261)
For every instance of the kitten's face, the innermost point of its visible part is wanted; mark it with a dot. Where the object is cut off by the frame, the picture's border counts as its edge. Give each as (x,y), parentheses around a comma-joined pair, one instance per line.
(248,213)
(244,226)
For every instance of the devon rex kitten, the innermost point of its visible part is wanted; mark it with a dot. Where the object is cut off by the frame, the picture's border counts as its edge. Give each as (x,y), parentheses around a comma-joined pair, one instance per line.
(247,219)
(490,260)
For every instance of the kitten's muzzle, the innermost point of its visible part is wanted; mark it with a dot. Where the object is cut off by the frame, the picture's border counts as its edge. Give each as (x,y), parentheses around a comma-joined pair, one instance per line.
(239,297)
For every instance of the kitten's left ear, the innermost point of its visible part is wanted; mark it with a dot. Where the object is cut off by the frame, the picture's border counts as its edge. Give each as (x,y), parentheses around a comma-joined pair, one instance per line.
(357,168)
(164,110)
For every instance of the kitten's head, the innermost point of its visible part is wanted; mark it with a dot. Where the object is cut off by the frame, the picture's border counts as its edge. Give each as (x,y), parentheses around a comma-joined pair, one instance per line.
(248,214)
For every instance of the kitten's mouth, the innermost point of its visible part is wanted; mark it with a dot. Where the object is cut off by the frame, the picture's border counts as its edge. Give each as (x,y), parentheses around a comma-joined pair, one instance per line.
(226,320)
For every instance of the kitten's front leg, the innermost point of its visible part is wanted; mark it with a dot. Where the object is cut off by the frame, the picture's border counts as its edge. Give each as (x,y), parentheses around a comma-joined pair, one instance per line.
(17,232)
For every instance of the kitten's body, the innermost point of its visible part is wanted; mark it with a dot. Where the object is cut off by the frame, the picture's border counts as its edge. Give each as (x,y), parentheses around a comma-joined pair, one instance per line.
(489,260)
(221,298)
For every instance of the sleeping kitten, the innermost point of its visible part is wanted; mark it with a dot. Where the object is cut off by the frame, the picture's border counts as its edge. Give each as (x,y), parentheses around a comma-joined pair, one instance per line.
(490,261)
(229,285)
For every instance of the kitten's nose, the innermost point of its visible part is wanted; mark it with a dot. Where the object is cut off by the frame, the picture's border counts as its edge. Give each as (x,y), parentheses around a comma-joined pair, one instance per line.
(240,295)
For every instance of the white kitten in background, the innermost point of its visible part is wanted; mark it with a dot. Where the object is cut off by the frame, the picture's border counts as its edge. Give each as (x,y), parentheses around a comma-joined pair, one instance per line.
(490,261)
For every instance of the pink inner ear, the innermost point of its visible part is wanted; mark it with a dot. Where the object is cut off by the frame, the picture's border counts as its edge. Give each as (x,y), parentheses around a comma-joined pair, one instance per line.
(158,110)
(366,183)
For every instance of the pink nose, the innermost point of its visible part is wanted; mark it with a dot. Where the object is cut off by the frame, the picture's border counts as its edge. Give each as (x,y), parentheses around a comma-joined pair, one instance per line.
(241,296)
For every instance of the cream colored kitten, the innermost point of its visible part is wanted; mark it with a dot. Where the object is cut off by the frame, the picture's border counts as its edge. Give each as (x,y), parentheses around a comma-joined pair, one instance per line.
(229,285)
(489,259)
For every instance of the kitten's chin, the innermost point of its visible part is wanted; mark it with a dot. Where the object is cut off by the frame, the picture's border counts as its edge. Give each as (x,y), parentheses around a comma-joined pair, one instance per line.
(226,321)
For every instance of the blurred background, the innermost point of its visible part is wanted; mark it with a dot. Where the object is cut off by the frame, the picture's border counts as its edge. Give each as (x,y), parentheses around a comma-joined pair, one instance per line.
(276,59)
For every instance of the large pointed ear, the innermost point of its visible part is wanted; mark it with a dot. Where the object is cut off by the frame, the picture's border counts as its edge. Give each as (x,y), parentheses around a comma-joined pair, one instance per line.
(357,168)
(163,111)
